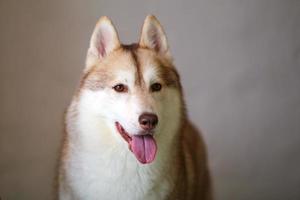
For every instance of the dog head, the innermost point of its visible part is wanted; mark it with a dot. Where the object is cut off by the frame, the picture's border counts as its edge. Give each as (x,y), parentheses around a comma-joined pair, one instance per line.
(134,88)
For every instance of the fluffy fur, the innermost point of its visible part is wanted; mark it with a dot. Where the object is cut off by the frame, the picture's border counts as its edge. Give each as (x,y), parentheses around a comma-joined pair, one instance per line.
(96,162)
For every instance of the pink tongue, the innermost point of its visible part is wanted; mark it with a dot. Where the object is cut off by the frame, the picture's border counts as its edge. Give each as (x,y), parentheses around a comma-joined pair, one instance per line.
(144,148)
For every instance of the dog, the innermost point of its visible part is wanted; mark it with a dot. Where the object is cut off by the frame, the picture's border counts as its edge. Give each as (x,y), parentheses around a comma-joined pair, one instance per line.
(127,135)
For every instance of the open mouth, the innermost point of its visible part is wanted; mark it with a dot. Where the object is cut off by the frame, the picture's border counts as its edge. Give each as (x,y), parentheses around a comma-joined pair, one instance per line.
(142,146)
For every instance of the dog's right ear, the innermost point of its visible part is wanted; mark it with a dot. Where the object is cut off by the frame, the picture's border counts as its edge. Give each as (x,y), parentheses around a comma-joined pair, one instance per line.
(103,41)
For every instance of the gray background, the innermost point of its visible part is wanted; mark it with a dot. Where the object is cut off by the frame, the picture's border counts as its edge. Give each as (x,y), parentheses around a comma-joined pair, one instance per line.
(240,65)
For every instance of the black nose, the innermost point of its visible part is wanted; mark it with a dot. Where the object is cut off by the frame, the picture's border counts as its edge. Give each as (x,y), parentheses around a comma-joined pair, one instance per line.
(148,121)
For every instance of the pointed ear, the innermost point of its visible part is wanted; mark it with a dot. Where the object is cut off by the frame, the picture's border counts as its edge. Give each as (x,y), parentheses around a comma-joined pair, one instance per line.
(103,41)
(153,36)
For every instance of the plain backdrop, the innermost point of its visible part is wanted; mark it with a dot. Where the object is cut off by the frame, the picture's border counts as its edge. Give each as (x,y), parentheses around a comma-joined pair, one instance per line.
(239,62)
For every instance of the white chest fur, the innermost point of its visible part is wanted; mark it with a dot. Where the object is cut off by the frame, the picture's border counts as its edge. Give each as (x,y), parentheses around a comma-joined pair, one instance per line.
(115,176)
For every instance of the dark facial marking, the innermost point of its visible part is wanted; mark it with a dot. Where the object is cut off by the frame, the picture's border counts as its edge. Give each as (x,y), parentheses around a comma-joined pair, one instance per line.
(170,76)
(132,48)
(168,73)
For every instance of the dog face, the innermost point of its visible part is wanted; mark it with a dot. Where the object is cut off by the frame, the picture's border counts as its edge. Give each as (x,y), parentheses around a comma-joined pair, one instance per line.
(134,88)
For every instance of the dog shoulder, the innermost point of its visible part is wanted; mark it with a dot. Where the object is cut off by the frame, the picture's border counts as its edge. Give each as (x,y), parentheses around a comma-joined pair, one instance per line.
(196,163)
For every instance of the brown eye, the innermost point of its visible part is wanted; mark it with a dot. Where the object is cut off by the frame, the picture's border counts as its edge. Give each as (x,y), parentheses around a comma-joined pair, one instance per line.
(120,88)
(155,87)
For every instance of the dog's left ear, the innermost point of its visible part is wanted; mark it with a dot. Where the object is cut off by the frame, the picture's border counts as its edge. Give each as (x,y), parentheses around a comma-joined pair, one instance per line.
(153,36)
(103,41)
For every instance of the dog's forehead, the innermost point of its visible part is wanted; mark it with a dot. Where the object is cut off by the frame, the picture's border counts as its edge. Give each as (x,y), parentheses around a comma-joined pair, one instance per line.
(133,66)
(148,65)
(136,64)
(119,60)
(156,68)
(119,65)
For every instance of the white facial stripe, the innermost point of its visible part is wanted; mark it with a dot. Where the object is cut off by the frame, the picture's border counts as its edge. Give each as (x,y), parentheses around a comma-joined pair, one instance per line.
(125,77)
(150,75)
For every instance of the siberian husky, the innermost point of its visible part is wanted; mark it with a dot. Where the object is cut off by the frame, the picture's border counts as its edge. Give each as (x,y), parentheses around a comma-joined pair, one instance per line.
(127,135)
